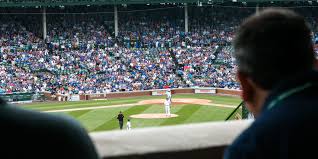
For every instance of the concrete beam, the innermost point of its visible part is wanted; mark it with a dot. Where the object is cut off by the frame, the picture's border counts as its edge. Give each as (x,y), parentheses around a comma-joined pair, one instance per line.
(44,23)
(186,19)
(116,20)
(182,141)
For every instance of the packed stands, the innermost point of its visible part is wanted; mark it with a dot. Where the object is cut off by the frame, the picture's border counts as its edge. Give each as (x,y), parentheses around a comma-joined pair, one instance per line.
(152,50)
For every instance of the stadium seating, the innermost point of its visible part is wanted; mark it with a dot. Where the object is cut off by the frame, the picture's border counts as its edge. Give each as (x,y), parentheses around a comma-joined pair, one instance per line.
(152,51)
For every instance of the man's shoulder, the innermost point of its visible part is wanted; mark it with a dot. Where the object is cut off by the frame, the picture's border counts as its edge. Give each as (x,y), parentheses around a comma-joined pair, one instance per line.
(245,144)
(264,132)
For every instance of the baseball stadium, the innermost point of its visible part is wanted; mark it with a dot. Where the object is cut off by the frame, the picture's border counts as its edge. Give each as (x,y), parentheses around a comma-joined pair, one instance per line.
(166,66)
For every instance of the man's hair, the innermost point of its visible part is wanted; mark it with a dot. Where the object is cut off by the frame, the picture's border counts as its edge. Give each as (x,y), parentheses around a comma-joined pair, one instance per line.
(272,46)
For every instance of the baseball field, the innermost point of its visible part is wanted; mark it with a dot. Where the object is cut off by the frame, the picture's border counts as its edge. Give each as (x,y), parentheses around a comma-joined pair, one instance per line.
(100,115)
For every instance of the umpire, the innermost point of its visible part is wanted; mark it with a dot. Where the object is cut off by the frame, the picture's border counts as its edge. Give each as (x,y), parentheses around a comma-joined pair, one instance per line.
(120,118)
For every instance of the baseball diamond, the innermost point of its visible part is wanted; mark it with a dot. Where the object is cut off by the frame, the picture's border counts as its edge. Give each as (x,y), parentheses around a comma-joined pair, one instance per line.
(100,115)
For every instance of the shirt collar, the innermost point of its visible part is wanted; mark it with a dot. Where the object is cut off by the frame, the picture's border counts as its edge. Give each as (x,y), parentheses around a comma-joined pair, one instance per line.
(290,86)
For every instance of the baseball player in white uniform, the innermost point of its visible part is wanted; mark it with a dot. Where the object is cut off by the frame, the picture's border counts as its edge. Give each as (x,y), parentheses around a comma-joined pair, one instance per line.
(250,116)
(168,93)
(128,124)
(167,107)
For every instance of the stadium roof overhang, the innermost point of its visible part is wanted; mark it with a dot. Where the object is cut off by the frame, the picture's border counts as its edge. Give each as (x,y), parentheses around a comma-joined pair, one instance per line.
(45,3)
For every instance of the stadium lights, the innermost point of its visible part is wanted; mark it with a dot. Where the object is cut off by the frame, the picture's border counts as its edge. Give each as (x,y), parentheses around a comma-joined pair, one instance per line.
(234,0)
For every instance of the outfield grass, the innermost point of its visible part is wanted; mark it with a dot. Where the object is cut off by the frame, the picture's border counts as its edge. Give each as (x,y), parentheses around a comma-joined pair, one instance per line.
(105,119)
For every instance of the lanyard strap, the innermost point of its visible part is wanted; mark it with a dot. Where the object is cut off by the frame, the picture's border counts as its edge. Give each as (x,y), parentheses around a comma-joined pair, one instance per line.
(287,94)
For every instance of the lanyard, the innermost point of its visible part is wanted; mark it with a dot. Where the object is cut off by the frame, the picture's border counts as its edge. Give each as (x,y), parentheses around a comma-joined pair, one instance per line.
(288,94)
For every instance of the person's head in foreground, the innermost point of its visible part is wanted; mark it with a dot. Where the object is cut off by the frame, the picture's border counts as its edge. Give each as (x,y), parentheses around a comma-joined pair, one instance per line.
(271,48)
(31,134)
(275,58)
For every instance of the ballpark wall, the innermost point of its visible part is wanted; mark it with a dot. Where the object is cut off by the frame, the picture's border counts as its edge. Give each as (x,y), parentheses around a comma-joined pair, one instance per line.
(190,141)
(219,91)
(148,93)
(128,94)
(182,91)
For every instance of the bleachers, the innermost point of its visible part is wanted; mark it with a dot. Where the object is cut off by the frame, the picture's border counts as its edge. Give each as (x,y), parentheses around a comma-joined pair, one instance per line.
(82,55)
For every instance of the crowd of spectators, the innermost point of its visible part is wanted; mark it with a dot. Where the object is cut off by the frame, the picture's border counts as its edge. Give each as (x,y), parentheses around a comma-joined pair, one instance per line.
(152,51)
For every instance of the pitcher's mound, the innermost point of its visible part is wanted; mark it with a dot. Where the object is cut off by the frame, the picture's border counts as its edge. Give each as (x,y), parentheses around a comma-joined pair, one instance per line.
(153,116)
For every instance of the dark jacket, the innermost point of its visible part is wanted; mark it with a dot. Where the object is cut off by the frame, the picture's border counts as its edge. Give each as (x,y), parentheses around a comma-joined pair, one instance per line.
(287,125)
(120,117)
(30,134)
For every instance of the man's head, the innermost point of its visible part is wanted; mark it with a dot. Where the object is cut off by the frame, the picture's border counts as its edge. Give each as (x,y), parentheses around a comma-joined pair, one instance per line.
(271,47)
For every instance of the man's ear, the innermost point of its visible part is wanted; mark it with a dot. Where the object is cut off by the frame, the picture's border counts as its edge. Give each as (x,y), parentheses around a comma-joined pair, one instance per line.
(246,86)
(253,95)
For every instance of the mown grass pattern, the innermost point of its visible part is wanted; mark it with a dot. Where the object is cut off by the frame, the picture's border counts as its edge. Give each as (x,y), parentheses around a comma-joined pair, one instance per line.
(113,123)
(105,119)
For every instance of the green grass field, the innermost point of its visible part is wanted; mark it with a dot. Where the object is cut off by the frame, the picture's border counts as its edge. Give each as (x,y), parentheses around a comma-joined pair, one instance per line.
(105,118)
